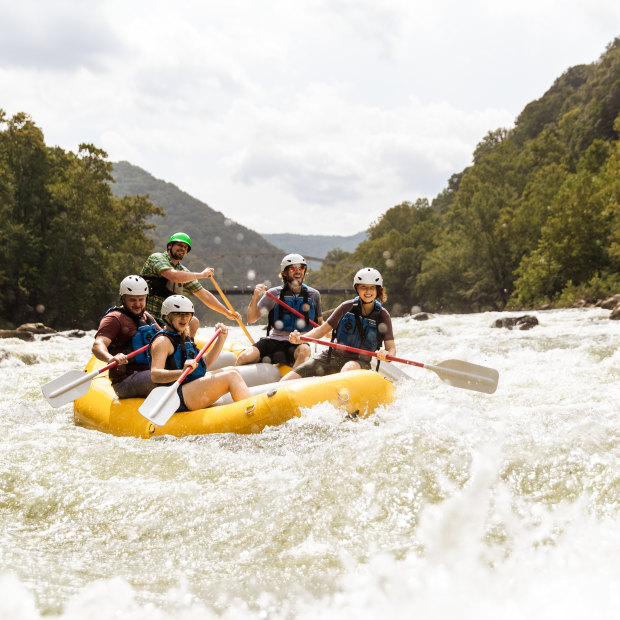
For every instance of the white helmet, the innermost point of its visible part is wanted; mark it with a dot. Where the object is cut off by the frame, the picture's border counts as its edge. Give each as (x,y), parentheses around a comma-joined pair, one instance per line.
(292,259)
(176,303)
(368,275)
(133,285)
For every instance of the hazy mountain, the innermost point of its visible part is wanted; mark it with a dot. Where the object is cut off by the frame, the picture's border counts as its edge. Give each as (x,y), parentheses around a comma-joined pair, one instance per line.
(314,245)
(240,256)
(236,251)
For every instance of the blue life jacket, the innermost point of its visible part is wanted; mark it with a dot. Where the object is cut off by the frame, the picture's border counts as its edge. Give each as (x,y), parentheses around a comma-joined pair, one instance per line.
(184,349)
(146,330)
(285,319)
(356,330)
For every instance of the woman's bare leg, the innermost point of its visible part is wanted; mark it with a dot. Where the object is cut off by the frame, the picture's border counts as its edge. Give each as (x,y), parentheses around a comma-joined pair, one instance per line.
(206,390)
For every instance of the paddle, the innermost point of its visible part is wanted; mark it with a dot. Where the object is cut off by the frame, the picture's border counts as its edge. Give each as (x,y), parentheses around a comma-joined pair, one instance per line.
(241,325)
(295,312)
(163,401)
(74,384)
(454,372)
(386,370)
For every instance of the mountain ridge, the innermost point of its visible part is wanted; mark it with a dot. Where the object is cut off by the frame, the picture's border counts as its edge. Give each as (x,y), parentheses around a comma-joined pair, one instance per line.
(233,240)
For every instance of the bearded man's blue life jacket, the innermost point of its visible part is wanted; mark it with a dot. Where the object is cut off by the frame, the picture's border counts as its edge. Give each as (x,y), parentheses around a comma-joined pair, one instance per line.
(283,319)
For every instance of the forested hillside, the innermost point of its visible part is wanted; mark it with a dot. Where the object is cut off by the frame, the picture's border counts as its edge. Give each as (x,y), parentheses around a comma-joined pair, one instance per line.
(65,240)
(240,256)
(534,220)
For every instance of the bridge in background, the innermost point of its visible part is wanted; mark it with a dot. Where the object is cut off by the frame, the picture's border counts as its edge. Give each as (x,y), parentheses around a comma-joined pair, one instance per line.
(249,289)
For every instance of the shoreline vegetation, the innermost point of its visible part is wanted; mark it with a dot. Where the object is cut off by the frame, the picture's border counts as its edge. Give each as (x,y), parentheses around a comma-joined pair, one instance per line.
(27,331)
(533,222)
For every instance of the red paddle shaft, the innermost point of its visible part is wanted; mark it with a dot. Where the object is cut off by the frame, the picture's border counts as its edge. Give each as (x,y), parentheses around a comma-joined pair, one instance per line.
(202,351)
(285,305)
(114,363)
(345,347)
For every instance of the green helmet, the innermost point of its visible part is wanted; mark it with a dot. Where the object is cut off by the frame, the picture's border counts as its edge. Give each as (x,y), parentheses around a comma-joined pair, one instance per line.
(182,238)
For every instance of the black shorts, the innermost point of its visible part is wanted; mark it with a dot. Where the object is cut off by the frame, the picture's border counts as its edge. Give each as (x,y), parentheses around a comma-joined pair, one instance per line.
(276,351)
(329,364)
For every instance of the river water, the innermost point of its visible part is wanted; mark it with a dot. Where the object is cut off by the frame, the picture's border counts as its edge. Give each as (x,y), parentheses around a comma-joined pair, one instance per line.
(445,504)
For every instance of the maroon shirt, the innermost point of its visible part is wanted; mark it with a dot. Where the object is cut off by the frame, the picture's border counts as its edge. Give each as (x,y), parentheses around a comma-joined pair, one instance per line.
(120,329)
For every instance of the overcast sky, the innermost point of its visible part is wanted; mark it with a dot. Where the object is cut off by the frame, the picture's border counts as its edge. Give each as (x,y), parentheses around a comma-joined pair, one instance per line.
(291,115)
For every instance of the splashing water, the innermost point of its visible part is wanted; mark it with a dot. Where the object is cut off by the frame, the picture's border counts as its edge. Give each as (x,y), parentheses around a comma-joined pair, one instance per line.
(445,504)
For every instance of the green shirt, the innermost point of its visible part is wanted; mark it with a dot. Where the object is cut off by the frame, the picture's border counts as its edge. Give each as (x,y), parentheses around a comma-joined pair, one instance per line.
(154,265)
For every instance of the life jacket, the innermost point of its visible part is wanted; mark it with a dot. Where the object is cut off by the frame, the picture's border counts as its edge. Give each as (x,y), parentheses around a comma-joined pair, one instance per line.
(289,321)
(359,331)
(184,349)
(146,329)
(158,286)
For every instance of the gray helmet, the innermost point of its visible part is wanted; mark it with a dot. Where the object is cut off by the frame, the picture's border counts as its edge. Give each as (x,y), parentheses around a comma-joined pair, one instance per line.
(176,303)
(368,275)
(133,285)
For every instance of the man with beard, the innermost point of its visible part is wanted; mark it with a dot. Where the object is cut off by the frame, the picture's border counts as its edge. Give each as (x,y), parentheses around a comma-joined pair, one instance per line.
(166,276)
(276,348)
(124,329)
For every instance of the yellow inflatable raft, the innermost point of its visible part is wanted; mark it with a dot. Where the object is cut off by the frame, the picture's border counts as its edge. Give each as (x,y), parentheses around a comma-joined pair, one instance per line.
(358,392)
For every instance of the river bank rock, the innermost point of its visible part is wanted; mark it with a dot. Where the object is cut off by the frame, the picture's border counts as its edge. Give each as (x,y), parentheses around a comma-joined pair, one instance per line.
(527,321)
(16,333)
(610,303)
(36,328)
(615,313)
(27,331)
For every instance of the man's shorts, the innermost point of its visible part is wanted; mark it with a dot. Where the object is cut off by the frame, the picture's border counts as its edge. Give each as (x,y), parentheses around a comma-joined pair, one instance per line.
(276,351)
(137,385)
(326,364)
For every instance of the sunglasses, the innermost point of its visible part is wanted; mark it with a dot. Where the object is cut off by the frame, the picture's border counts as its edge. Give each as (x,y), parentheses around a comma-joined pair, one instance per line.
(296,267)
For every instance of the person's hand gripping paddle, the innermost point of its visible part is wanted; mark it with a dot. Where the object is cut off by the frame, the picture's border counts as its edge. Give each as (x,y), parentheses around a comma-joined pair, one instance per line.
(75,383)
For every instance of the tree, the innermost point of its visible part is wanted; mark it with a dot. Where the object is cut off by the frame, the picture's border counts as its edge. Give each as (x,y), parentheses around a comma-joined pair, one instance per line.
(74,241)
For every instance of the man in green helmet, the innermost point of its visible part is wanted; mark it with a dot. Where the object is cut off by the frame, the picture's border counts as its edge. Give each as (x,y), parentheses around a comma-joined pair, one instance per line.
(166,276)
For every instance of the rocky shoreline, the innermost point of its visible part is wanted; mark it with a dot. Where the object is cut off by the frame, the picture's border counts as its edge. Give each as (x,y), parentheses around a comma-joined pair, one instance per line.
(27,331)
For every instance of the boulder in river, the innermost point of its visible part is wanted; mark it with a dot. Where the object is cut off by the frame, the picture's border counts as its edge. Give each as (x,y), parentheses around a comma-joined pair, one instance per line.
(421,316)
(527,321)
(615,313)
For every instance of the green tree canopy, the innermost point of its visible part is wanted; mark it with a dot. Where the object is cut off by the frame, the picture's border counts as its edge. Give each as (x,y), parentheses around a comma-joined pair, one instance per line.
(66,241)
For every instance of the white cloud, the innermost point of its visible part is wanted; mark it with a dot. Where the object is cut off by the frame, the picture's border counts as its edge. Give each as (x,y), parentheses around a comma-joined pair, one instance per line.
(310,116)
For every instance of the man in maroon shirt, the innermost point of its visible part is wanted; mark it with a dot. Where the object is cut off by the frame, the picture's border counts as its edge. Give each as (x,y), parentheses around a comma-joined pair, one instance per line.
(123,329)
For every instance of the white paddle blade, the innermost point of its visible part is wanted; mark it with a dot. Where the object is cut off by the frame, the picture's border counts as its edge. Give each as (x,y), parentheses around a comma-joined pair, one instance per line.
(160,405)
(467,376)
(73,384)
(393,373)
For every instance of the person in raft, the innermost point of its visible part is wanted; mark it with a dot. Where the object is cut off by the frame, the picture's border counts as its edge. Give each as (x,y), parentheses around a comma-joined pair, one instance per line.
(362,323)
(172,349)
(124,329)
(166,276)
(276,348)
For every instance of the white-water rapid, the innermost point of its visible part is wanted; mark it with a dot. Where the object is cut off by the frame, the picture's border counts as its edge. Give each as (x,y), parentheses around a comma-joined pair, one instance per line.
(445,504)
